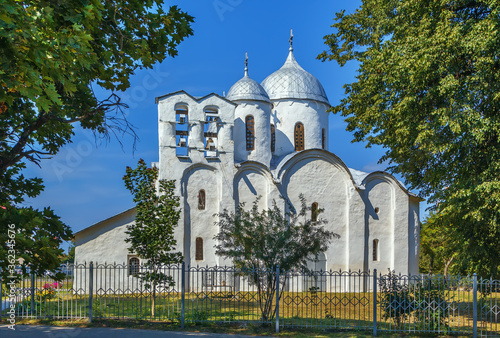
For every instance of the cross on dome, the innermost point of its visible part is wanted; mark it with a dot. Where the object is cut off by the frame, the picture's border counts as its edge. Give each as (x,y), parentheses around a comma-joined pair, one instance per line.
(247,89)
(291,81)
(246,64)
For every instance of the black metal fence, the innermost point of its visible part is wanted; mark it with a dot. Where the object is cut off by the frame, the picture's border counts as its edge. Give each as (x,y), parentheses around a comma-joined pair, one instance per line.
(321,299)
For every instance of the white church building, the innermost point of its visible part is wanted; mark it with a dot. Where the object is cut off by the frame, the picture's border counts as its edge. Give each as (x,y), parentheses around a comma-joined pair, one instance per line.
(268,140)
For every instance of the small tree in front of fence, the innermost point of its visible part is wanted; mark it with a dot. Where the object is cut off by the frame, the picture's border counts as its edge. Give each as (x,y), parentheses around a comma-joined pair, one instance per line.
(395,298)
(258,241)
(431,306)
(151,236)
(422,298)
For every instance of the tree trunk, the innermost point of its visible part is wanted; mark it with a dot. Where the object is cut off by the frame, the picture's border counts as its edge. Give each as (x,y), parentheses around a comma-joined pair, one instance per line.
(153,302)
(446,266)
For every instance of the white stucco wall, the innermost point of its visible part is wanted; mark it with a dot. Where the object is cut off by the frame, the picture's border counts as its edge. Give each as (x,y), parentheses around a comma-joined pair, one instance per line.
(104,241)
(356,231)
(196,171)
(324,180)
(380,194)
(395,225)
(200,223)
(287,113)
(261,111)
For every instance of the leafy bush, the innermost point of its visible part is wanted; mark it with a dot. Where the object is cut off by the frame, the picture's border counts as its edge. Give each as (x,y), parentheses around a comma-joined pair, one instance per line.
(423,299)
(45,294)
(195,316)
(431,307)
(48,291)
(395,298)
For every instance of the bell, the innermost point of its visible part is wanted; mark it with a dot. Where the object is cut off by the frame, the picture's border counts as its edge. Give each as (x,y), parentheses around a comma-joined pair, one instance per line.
(210,144)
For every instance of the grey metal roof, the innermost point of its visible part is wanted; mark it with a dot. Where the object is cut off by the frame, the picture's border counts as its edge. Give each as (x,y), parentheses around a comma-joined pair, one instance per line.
(247,89)
(291,81)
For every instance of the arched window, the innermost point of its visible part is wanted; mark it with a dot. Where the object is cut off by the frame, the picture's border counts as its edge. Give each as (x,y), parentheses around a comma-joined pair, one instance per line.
(181,111)
(201,200)
(323,138)
(181,129)
(273,138)
(314,212)
(199,249)
(133,266)
(250,132)
(210,128)
(375,250)
(299,137)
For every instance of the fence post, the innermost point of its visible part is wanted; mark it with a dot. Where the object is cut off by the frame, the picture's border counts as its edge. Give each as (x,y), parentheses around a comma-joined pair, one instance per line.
(91,289)
(474,305)
(374,302)
(183,295)
(1,295)
(278,299)
(32,295)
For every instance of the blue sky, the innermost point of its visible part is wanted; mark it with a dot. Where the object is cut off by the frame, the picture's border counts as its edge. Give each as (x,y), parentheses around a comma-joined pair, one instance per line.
(83,182)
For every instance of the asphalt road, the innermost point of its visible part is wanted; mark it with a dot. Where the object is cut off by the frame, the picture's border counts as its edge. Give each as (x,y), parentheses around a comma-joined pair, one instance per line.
(39,331)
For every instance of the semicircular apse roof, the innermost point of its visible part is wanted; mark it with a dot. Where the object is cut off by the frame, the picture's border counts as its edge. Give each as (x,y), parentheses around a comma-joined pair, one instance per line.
(291,81)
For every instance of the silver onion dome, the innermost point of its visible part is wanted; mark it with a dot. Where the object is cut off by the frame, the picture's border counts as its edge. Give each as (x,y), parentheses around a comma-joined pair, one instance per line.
(291,81)
(247,89)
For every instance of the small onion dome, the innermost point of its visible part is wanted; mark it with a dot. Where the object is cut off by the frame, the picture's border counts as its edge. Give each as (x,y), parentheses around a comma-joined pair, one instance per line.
(247,89)
(291,81)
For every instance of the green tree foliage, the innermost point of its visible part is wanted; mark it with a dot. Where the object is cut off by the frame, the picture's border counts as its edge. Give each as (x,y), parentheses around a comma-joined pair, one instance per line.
(151,236)
(70,256)
(32,237)
(257,242)
(427,90)
(437,247)
(52,56)
(54,52)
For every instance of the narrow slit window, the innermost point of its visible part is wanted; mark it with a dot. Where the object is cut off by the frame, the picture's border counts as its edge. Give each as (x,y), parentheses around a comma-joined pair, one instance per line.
(199,249)
(133,266)
(201,200)
(299,137)
(375,250)
(314,212)
(250,132)
(323,138)
(273,138)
